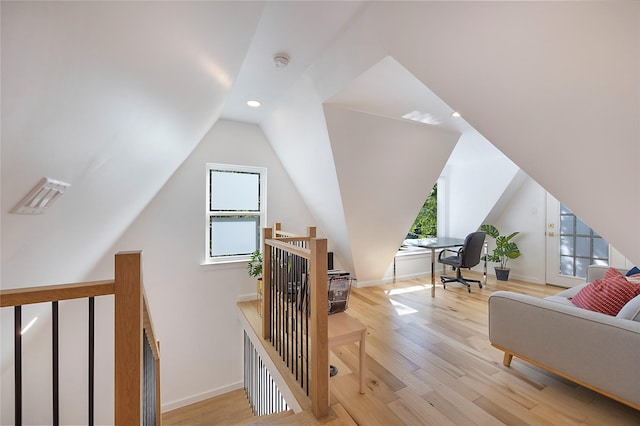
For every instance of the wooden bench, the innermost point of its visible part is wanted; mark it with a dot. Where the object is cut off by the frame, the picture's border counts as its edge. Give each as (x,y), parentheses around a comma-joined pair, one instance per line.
(344,329)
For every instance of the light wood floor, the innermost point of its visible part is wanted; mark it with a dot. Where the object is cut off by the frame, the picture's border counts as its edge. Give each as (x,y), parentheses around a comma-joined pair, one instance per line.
(430,363)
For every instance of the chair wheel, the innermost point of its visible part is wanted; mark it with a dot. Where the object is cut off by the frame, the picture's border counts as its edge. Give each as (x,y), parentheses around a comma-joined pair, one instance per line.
(469,289)
(480,285)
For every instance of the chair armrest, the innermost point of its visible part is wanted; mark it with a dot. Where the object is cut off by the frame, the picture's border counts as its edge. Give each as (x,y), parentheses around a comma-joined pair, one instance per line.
(457,252)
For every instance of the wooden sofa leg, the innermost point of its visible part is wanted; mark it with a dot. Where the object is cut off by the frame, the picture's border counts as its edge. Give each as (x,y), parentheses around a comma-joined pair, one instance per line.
(507,359)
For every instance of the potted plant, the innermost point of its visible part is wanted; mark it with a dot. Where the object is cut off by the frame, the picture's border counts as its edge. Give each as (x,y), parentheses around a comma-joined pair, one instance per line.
(505,249)
(254,267)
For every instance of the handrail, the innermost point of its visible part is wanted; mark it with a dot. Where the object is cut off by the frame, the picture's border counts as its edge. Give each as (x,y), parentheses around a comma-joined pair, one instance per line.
(53,293)
(132,322)
(148,326)
(298,251)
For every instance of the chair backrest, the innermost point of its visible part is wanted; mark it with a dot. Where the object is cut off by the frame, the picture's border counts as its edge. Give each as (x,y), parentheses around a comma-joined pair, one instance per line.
(472,249)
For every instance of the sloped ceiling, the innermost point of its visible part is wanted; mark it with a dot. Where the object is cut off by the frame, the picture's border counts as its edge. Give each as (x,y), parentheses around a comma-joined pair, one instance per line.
(110,97)
(385,169)
(534,78)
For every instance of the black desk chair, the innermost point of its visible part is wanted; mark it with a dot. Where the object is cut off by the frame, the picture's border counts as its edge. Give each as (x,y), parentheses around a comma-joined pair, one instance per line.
(467,256)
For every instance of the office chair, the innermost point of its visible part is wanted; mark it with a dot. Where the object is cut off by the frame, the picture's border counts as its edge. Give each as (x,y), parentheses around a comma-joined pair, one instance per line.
(467,256)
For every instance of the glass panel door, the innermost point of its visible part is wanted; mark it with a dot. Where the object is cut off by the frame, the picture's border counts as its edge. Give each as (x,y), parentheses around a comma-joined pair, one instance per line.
(571,246)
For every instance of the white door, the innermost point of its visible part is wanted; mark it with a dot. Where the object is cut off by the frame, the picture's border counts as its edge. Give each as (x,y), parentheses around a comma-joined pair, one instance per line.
(571,246)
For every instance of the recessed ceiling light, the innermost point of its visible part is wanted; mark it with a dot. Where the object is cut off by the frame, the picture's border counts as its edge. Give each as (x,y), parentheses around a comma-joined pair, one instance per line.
(455,114)
(253,103)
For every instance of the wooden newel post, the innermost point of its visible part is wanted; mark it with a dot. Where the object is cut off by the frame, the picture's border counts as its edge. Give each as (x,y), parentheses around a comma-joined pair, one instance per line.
(128,339)
(266,285)
(319,328)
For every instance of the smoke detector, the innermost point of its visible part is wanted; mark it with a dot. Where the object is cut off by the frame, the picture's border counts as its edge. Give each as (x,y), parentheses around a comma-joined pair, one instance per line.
(281,60)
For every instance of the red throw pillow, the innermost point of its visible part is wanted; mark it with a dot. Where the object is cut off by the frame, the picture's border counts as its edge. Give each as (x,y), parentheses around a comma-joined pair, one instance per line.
(607,295)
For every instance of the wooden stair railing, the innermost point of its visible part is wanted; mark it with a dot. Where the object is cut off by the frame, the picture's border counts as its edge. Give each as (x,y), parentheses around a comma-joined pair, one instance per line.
(133,329)
(294,307)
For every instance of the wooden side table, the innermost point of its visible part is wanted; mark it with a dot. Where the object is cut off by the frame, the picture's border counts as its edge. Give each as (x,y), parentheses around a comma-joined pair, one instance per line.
(344,329)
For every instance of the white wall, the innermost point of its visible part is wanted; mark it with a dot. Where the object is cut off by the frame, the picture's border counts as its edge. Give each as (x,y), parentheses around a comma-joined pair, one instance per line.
(524,211)
(476,176)
(380,207)
(194,306)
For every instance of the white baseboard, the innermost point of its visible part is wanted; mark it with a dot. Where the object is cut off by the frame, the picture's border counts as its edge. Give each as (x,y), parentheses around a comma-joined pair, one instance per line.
(403,277)
(247,297)
(533,280)
(371,283)
(201,397)
(529,279)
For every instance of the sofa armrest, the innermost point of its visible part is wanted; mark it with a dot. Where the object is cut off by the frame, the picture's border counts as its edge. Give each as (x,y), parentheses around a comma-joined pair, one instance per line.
(589,347)
(596,272)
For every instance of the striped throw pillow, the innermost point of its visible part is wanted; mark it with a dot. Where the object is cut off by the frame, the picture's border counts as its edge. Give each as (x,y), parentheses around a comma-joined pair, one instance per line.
(607,295)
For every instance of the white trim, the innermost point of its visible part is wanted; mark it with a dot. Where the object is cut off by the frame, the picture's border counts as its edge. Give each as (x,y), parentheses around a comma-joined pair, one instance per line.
(262,196)
(201,396)
(442,212)
(220,266)
(247,297)
(371,283)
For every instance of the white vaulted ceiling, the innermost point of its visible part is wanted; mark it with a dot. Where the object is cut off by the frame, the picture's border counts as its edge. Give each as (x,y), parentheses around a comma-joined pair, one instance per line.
(111,97)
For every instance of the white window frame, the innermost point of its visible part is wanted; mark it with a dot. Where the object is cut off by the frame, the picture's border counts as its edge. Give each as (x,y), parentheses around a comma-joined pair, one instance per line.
(262,214)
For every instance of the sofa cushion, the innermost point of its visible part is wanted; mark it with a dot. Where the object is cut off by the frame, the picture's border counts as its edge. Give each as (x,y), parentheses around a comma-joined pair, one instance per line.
(633,271)
(631,310)
(607,295)
(633,278)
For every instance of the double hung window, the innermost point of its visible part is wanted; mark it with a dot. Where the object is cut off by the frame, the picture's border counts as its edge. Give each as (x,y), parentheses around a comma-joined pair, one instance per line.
(236,211)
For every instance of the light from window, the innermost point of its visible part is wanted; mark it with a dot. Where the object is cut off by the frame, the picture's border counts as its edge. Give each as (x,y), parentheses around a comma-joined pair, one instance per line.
(236,210)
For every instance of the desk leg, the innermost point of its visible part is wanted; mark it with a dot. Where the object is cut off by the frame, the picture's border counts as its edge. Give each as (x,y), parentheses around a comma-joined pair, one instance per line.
(361,367)
(433,272)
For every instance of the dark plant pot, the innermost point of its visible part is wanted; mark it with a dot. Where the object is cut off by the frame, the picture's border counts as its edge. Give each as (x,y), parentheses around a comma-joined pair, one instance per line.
(502,274)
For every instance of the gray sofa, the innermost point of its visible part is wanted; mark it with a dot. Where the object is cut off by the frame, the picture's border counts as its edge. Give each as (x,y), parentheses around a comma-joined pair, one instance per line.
(598,351)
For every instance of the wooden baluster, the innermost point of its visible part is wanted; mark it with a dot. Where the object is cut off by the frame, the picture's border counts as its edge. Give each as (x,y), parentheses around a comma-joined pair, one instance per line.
(267,285)
(319,329)
(128,339)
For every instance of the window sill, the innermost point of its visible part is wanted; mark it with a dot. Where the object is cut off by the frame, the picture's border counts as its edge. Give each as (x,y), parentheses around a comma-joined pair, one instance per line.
(224,265)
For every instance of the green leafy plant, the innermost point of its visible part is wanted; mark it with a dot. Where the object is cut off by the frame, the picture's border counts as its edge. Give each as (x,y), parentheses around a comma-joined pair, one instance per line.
(505,248)
(426,223)
(254,267)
